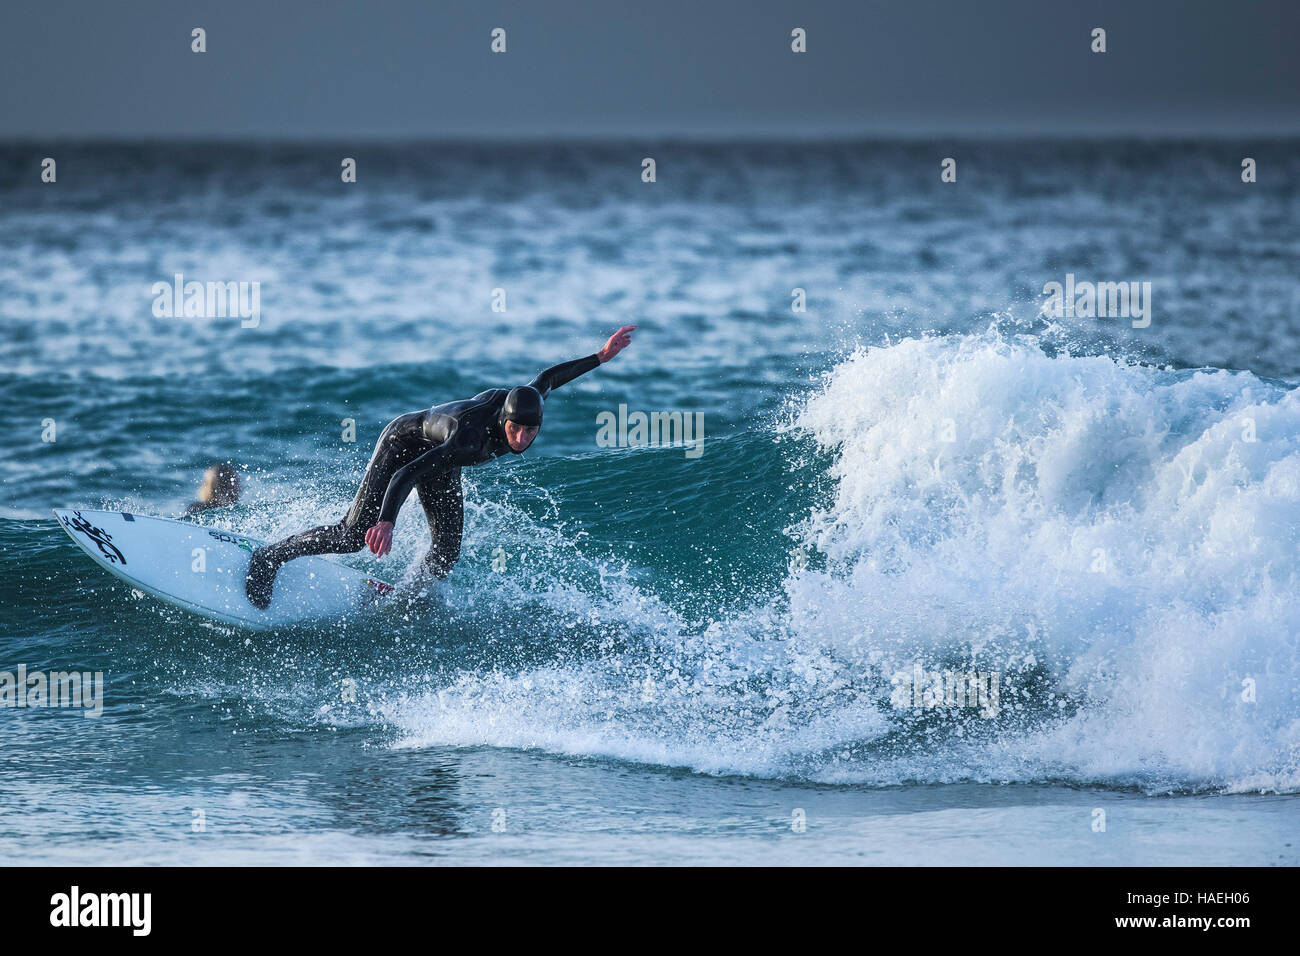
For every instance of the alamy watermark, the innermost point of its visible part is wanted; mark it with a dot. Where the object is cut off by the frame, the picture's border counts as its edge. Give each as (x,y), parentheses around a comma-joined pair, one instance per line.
(920,688)
(208,300)
(1098,300)
(129,910)
(57,689)
(651,429)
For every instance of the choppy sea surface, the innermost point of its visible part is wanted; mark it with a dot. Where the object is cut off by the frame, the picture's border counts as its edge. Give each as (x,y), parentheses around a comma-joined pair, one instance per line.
(649,655)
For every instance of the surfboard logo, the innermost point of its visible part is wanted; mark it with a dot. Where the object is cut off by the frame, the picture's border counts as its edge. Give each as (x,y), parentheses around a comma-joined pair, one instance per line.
(379,587)
(102,538)
(231,539)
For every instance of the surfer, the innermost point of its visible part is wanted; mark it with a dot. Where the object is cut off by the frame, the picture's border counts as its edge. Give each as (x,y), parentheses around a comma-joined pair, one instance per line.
(426,450)
(220,489)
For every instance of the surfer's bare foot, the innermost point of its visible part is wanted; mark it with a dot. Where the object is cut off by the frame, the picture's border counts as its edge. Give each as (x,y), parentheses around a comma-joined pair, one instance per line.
(260,581)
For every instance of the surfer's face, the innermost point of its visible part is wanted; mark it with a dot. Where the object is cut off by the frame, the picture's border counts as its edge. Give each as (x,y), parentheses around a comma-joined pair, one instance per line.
(519,437)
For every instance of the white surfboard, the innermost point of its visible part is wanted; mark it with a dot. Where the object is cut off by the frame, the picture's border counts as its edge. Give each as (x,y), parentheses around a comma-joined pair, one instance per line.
(202,569)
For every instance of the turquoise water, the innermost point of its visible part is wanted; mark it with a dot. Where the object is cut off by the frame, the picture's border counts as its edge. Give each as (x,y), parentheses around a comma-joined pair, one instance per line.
(648,655)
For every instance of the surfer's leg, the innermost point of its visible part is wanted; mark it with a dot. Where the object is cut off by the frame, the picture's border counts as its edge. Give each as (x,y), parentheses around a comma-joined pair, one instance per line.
(444,508)
(345,537)
(265,563)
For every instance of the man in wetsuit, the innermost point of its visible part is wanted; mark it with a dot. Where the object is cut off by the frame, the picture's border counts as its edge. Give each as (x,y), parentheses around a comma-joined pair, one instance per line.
(426,450)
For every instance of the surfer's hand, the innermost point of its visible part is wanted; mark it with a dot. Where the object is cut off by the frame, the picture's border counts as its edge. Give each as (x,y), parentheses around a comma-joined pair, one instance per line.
(617,343)
(379,539)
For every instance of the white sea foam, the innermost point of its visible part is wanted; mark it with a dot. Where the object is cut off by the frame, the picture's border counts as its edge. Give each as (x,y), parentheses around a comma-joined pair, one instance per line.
(1107,518)
(1101,533)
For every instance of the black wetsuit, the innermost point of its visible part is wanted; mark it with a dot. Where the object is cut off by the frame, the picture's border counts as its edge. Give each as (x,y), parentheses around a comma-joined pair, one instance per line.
(423,450)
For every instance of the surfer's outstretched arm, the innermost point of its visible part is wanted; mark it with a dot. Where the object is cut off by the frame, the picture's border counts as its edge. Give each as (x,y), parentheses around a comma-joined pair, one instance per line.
(557,375)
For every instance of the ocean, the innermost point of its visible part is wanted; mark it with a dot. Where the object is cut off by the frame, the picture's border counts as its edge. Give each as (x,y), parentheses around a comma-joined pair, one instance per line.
(907,472)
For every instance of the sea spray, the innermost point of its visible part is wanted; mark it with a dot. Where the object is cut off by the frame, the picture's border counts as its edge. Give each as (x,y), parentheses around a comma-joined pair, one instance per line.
(1131,529)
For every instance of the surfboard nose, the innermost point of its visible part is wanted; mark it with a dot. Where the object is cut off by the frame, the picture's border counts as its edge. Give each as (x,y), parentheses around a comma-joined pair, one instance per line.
(202,569)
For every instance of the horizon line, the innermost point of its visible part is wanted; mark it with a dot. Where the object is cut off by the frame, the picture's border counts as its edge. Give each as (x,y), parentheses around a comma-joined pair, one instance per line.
(757,138)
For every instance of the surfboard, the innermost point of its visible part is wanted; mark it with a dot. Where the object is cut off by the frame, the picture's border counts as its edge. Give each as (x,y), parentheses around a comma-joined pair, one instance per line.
(202,569)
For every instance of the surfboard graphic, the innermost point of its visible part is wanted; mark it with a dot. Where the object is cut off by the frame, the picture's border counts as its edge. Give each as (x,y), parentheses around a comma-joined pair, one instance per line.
(202,569)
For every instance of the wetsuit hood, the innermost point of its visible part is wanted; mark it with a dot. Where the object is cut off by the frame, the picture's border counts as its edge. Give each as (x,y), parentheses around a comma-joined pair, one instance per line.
(523,406)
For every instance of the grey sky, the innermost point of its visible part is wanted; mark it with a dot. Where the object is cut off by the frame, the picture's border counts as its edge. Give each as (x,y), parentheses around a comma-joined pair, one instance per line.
(422,68)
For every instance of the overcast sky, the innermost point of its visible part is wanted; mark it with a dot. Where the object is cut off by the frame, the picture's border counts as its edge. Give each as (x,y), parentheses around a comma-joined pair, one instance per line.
(347,69)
